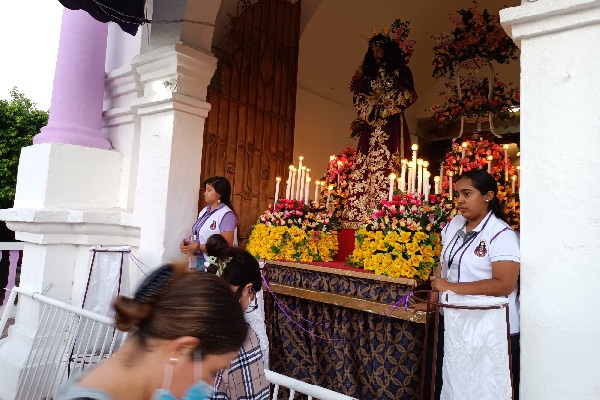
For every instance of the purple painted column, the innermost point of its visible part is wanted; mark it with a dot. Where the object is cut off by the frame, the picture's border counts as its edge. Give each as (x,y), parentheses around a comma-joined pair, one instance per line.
(78,91)
(13,259)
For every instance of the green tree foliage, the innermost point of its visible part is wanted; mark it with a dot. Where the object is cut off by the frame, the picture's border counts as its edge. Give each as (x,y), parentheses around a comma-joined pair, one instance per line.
(19,122)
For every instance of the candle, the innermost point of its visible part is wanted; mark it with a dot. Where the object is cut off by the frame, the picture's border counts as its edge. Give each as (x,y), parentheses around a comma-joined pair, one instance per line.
(410,172)
(328,195)
(442,172)
(519,176)
(450,189)
(288,187)
(426,175)
(489,160)
(402,181)
(392,179)
(419,176)
(414,148)
(300,159)
(514,179)
(425,172)
(464,148)
(436,181)
(293,189)
(505,163)
(277,182)
(306,189)
(301,178)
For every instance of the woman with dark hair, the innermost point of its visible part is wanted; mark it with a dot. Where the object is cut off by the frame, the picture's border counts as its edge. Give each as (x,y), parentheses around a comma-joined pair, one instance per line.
(245,378)
(185,327)
(480,256)
(382,90)
(217,217)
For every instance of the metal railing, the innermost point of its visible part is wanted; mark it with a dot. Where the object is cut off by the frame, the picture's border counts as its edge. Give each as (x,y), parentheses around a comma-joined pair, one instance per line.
(295,386)
(67,341)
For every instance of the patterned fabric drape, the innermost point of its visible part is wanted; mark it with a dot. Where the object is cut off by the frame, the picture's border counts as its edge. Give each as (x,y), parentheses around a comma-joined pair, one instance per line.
(374,357)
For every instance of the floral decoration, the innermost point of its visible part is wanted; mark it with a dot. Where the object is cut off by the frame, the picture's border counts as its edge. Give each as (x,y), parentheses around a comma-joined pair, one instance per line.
(338,172)
(293,230)
(474,34)
(475,101)
(402,238)
(476,153)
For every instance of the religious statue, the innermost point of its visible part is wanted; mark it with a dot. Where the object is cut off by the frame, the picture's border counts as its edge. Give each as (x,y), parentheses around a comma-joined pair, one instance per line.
(382,88)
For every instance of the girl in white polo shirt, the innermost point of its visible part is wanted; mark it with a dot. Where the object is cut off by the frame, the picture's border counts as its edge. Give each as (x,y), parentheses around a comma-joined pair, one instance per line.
(216,218)
(480,254)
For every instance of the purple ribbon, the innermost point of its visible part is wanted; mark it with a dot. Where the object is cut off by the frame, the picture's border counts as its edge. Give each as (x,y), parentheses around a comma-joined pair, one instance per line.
(282,306)
(404,299)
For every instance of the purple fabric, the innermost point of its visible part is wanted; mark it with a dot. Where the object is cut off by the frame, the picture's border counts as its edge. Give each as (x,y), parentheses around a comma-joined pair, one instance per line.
(228,223)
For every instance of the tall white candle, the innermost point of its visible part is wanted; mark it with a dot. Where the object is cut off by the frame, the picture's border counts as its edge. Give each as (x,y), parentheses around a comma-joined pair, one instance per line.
(289,183)
(464,148)
(328,196)
(306,189)
(436,182)
(391,192)
(514,180)
(519,176)
(489,160)
(410,172)
(402,184)
(505,163)
(277,182)
(300,159)
(317,184)
(425,172)
(419,176)
(426,176)
(414,148)
(293,189)
(450,188)
(301,177)
(442,172)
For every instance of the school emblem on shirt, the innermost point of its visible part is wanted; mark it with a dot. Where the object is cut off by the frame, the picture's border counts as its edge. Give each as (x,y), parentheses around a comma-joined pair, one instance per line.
(481,249)
(213,226)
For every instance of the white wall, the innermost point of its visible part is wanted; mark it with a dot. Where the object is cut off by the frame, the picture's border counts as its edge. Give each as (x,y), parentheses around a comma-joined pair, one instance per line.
(560,219)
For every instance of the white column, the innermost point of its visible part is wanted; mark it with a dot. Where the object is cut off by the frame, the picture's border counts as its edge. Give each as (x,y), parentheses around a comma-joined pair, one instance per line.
(560,233)
(172,114)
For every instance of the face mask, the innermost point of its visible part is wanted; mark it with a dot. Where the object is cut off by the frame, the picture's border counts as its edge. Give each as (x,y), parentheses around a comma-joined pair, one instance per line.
(199,391)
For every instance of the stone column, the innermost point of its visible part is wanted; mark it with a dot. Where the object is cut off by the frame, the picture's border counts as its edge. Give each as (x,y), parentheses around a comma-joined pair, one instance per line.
(78,91)
(560,222)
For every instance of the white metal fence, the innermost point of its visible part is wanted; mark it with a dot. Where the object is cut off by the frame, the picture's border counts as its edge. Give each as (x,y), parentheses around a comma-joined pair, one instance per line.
(68,340)
(295,386)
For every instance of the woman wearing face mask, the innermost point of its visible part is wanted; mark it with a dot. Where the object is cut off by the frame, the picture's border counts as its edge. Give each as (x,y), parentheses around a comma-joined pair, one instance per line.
(245,377)
(185,327)
(217,217)
(480,256)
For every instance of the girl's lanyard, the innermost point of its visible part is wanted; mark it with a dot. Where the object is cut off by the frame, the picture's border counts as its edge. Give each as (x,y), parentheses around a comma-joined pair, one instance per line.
(469,238)
(202,220)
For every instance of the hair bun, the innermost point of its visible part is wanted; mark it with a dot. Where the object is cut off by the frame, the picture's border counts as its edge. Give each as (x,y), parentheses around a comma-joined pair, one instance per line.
(130,313)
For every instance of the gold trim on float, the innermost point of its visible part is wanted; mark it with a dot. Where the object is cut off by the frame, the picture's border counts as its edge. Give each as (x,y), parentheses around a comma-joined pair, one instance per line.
(358,273)
(341,300)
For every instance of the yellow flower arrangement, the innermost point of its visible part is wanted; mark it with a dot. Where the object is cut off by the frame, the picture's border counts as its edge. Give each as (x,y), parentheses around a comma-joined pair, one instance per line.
(402,238)
(292,243)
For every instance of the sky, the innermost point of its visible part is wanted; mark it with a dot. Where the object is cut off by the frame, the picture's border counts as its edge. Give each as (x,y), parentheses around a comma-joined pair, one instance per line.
(29,35)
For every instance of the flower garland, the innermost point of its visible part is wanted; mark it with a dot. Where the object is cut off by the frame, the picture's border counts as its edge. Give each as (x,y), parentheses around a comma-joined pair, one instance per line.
(402,238)
(475,34)
(295,213)
(475,101)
